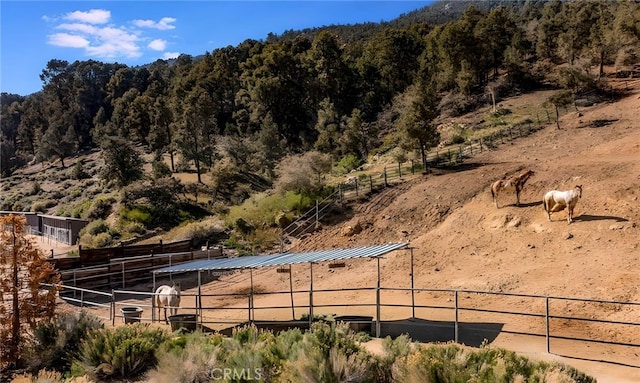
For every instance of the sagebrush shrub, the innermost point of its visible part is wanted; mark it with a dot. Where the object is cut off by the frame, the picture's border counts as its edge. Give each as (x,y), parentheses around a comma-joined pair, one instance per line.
(54,344)
(122,352)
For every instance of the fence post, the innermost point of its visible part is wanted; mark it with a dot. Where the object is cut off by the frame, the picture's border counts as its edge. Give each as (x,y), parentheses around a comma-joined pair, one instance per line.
(413,171)
(480,144)
(310,293)
(378,301)
(318,209)
(356,183)
(123,278)
(113,307)
(384,172)
(546,316)
(399,170)
(455,325)
(413,298)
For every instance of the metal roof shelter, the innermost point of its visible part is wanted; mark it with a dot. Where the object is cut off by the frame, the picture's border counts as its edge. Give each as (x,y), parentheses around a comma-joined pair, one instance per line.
(282,259)
(256,261)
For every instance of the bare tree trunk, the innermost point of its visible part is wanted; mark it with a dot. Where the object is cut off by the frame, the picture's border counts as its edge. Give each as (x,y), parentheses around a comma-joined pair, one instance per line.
(15,324)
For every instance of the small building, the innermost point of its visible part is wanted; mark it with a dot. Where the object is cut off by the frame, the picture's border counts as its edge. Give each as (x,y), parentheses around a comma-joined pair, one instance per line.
(62,229)
(33,220)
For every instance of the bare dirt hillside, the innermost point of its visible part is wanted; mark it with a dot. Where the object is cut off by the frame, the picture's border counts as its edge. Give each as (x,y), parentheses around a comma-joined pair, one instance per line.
(462,241)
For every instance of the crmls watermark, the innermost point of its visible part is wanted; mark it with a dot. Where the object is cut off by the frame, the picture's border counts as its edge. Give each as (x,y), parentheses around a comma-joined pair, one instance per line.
(235,373)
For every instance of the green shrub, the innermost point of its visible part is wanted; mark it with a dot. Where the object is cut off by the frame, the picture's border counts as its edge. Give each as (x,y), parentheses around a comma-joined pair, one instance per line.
(100,208)
(77,172)
(54,344)
(121,352)
(95,227)
(128,227)
(451,362)
(347,164)
(102,240)
(35,188)
(186,358)
(243,226)
(42,206)
(328,353)
(136,214)
(160,169)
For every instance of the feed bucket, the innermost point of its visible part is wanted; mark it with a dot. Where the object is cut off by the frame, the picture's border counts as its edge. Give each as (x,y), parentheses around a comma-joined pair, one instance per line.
(185,321)
(131,314)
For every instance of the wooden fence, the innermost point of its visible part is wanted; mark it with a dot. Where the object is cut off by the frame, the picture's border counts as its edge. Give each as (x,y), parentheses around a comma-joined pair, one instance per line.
(364,184)
(130,271)
(103,256)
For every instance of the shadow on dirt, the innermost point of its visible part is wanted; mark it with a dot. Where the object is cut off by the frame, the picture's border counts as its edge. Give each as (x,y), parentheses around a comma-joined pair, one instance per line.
(587,217)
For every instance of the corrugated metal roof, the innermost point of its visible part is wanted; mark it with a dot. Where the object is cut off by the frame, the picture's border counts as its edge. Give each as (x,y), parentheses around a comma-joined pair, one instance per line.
(256,261)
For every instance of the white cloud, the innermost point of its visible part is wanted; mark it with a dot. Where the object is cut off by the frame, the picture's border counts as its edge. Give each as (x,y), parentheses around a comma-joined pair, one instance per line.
(80,28)
(163,24)
(157,45)
(83,30)
(114,42)
(170,55)
(94,16)
(67,40)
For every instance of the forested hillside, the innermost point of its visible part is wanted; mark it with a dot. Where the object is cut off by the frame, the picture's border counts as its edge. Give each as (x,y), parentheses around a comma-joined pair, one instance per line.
(321,99)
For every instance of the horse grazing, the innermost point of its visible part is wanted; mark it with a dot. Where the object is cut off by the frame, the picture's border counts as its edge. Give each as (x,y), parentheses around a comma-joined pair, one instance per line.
(514,183)
(555,200)
(168,297)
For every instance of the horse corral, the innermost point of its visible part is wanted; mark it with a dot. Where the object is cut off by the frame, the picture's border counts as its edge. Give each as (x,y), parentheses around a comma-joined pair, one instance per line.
(449,218)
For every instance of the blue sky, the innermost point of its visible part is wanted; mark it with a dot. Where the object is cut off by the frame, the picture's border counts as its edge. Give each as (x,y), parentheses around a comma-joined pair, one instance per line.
(140,32)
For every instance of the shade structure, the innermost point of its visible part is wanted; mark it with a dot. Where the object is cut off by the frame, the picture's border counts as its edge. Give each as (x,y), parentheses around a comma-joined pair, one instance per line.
(257,261)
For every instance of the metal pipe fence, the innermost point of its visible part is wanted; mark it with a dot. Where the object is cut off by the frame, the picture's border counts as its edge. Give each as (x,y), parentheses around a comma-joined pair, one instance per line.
(549,317)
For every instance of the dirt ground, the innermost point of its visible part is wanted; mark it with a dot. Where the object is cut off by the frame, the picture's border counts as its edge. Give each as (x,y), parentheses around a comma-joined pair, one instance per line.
(460,240)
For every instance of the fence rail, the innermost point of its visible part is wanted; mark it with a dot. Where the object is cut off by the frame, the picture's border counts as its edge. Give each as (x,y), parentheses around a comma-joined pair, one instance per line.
(363,184)
(123,272)
(548,317)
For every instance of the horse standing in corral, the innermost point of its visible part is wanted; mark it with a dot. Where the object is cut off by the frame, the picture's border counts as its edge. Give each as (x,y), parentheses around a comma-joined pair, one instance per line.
(168,297)
(556,200)
(515,183)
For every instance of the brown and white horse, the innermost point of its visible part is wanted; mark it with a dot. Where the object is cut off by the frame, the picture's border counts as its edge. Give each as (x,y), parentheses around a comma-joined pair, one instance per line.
(514,183)
(555,200)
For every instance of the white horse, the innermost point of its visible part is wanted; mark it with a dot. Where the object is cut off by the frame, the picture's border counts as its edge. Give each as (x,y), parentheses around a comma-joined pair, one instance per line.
(555,200)
(168,297)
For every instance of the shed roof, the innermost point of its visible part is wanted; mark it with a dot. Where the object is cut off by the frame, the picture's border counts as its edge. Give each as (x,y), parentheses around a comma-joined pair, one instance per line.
(256,261)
